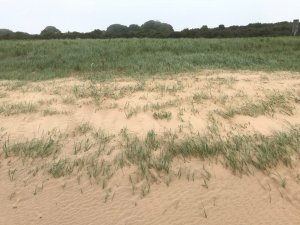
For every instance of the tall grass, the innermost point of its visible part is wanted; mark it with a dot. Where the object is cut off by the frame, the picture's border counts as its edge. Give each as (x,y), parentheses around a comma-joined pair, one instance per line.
(105,59)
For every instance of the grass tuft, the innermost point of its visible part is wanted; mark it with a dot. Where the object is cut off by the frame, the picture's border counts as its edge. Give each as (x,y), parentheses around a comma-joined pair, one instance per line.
(35,148)
(17,108)
(273,102)
(199,97)
(162,115)
(61,168)
(84,128)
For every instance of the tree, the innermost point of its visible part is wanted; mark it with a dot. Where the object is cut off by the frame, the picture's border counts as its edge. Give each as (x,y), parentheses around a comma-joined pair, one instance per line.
(134,28)
(221,27)
(204,28)
(95,34)
(5,32)
(157,29)
(117,30)
(50,32)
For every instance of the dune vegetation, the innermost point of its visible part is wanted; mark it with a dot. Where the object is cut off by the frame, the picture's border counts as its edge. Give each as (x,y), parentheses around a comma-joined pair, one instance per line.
(141,58)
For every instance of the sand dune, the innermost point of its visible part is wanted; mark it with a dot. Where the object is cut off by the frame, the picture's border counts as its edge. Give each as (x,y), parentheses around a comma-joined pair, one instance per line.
(194,191)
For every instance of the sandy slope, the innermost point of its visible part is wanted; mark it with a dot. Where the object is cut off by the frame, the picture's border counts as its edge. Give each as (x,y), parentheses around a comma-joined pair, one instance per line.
(229,199)
(270,197)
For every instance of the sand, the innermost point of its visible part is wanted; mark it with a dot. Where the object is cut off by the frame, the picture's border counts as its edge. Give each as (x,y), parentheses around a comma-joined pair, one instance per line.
(206,192)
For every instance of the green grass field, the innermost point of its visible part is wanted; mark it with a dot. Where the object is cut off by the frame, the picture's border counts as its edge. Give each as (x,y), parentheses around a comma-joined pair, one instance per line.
(105,59)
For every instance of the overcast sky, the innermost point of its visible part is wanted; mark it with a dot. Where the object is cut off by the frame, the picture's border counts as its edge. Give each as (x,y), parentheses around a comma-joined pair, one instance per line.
(86,15)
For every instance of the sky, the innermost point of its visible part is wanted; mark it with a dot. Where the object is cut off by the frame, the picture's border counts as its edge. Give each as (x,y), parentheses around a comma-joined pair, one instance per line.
(32,16)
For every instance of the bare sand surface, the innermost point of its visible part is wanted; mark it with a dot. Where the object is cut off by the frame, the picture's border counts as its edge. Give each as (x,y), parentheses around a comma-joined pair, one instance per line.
(90,117)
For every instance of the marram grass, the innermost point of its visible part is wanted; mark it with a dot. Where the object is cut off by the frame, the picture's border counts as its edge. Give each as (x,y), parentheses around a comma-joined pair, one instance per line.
(107,59)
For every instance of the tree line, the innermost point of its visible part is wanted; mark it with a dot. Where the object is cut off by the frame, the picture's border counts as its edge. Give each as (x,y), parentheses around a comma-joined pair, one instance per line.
(157,29)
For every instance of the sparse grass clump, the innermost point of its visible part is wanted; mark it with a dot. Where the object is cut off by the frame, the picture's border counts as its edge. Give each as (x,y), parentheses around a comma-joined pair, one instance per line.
(35,148)
(199,97)
(69,100)
(99,93)
(136,152)
(17,108)
(47,102)
(84,145)
(281,101)
(228,81)
(151,140)
(3,94)
(50,112)
(162,115)
(99,170)
(61,168)
(163,88)
(164,105)
(11,174)
(83,92)
(102,137)
(84,128)
(273,102)
(131,111)
(239,152)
